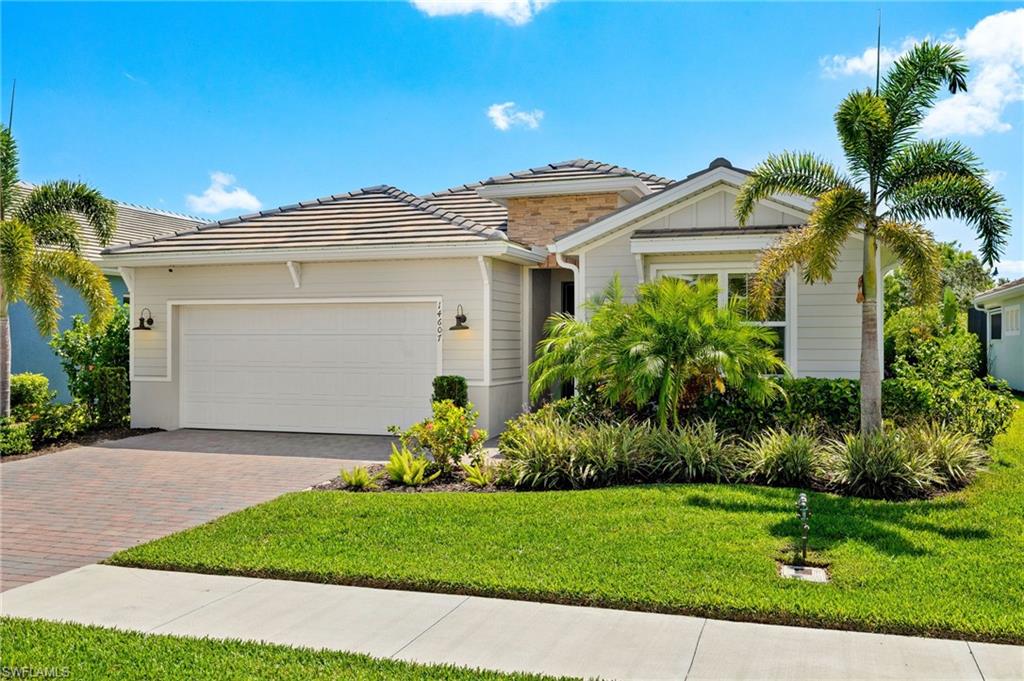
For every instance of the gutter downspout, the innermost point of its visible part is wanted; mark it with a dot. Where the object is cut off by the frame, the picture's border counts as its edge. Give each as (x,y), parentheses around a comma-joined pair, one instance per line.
(577,284)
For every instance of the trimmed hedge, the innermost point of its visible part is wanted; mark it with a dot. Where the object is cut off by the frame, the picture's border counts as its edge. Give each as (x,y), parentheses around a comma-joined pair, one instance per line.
(14,438)
(452,388)
(28,390)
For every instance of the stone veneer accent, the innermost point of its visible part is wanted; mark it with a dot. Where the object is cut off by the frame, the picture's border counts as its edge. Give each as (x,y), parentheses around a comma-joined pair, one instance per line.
(537,220)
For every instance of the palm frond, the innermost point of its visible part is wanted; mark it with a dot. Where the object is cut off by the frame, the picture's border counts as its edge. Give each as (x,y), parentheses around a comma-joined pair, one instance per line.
(789,250)
(17,251)
(59,230)
(915,247)
(803,174)
(836,214)
(84,277)
(864,128)
(919,160)
(912,84)
(8,170)
(963,197)
(63,197)
(43,301)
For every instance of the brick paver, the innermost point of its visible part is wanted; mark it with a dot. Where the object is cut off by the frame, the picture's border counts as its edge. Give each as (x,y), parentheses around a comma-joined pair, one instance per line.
(67,509)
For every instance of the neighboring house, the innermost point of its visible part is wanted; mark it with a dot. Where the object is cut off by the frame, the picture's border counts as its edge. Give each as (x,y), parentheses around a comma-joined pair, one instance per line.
(32,352)
(333,315)
(1004,305)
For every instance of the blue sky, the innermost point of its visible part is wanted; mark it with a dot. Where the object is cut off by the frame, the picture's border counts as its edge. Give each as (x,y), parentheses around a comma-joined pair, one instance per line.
(288,102)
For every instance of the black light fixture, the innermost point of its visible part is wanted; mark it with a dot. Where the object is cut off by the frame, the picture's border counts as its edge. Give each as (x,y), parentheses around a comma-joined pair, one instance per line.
(460,320)
(145,320)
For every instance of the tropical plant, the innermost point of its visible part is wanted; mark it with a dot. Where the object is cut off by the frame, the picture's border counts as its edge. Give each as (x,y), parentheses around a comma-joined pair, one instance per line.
(961,272)
(956,457)
(406,468)
(881,465)
(672,346)
(359,479)
(696,452)
(449,435)
(40,242)
(478,475)
(779,457)
(895,182)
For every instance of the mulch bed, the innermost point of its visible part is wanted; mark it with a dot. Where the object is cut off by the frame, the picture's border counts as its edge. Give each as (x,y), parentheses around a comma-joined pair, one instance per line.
(456,483)
(82,440)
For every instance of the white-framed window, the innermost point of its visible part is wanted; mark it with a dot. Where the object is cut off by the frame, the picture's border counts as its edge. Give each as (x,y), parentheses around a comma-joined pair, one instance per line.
(1011,320)
(995,324)
(734,283)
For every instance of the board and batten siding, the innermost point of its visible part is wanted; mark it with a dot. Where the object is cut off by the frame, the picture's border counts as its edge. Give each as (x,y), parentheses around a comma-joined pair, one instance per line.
(827,315)
(505,396)
(456,281)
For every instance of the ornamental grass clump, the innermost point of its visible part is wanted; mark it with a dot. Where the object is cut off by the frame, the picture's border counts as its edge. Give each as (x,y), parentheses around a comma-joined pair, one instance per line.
(956,458)
(779,457)
(881,466)
(693,453)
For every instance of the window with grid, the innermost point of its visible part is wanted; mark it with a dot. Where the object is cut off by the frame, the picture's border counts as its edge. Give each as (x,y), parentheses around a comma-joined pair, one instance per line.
(776,319)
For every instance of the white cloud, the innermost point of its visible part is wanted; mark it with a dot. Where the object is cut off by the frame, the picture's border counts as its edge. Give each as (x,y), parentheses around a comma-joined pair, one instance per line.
(222,195)
(1011,269)
(995,51)
(505,116)
(994,177)
(514,12)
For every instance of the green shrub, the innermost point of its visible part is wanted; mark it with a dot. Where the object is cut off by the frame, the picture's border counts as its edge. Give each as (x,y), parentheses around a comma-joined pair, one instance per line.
(478,475)
(881,466)
(406,468)
(448,436)
(956,457)
(779,457)
(452,388)
(30,391)
(693,453)
(359,479)
(14,438)
(537,448)
(57,422)
(83,350)
(112,400)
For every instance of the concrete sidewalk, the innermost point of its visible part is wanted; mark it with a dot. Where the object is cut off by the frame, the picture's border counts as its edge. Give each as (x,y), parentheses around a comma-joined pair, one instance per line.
(492,633)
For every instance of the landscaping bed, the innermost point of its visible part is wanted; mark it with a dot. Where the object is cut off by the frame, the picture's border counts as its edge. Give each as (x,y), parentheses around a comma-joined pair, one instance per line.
(85,439)
(455,483)
(33,648)
(948,566)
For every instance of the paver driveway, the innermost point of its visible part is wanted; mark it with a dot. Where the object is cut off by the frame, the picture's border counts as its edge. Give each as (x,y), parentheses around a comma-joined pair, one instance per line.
(67,509)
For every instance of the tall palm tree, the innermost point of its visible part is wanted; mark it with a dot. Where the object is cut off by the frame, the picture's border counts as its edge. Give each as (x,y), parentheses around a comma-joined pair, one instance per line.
(670,347)
(40,242)
(895,182)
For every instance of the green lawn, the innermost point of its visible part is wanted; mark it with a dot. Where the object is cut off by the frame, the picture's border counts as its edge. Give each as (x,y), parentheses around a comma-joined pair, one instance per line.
(951,566)
(98,653)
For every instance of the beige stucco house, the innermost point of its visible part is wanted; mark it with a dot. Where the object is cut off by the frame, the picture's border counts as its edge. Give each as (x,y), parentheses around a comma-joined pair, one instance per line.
(333,315)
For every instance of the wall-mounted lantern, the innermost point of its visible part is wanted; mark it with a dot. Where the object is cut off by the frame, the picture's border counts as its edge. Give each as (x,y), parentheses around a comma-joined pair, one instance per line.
(145,321)
(460,320)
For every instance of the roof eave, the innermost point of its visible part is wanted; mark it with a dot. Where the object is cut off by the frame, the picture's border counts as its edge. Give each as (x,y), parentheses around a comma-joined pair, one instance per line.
(999,293)
(485,247)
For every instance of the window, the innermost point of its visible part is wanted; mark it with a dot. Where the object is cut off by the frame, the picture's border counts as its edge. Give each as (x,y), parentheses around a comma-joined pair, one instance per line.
(1011,321)
(995,324)
(776,319)
(735,284)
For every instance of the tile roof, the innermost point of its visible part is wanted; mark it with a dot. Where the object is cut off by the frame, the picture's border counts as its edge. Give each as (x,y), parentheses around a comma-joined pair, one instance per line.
(134,223)
(464,199)
(370,216)
(1002,288)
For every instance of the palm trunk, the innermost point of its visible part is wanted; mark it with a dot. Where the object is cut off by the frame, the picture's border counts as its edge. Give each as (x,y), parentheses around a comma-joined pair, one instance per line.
(870,371)
(5,361)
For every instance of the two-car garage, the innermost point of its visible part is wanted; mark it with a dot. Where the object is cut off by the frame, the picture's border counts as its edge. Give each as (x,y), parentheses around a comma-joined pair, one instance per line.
(352,367)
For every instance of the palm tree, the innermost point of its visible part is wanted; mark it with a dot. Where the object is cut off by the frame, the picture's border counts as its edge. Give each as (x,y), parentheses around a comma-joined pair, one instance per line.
(895,182)
(672,346)
(40,242)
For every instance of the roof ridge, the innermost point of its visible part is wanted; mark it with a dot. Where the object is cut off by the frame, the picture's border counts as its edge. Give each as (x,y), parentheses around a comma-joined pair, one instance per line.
(447,215)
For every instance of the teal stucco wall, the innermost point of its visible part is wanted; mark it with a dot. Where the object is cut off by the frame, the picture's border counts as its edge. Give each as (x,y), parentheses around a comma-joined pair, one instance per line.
(1006,356)
(32,352)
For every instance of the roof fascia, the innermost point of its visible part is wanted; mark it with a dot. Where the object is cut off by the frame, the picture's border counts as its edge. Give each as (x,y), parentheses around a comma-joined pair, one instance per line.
(991,296)
(492,248)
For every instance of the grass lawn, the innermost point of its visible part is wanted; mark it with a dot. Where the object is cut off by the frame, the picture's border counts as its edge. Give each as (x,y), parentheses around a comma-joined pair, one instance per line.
(951,566)
(98,653)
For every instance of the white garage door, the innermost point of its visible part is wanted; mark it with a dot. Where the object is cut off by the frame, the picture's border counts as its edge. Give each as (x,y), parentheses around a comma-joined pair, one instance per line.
(326,368)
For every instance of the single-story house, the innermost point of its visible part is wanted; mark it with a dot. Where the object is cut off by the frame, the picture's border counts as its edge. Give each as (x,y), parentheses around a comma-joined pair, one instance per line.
(29,350)
(333,315)
(1005,344)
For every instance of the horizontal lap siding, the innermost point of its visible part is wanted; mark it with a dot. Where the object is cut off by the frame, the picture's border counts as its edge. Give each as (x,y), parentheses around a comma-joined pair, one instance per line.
(455,281)
(828,341)
(506,322)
